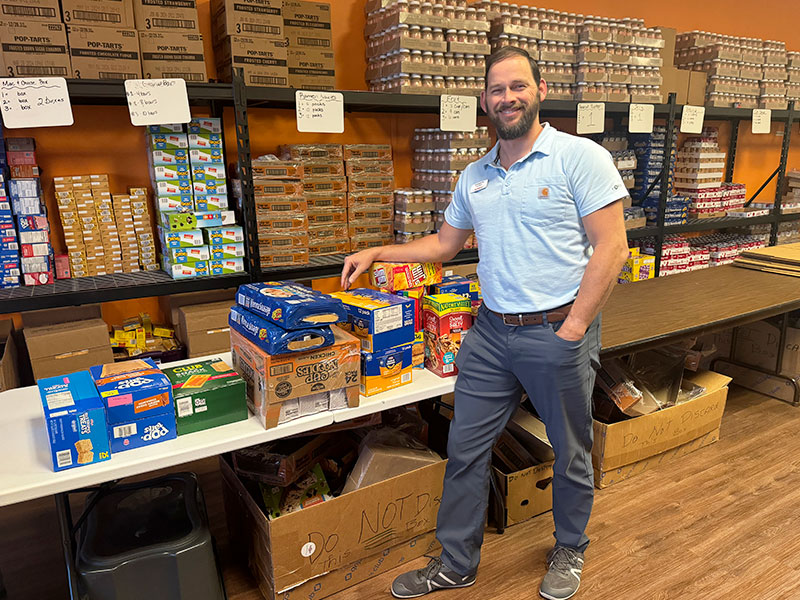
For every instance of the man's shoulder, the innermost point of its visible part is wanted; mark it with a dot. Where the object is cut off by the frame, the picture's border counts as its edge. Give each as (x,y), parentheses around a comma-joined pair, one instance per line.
(568,141)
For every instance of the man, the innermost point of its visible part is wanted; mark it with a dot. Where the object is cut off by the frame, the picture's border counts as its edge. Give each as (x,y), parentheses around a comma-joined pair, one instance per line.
(547,213)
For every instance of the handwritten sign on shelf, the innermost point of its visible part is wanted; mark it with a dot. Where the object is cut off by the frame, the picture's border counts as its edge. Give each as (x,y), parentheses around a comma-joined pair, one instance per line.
(458,113)
(762,120)
(35,102)
(591,117)
(692,118)
(157,101)
(319,112)
(640,118)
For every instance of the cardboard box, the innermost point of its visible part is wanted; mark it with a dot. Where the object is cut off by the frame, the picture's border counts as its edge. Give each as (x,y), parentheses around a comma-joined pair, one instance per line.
(525,493)
(76,421)
(31,48)
(98,13)
(250,18)
(205,327)
(696,92)
(169,16)
(757,345)
(31,10)
(275,380)
(172,55)
(9,369)
(170,305)
(640,438)
(207,394)
(104,52)
(57,349)
(375,528)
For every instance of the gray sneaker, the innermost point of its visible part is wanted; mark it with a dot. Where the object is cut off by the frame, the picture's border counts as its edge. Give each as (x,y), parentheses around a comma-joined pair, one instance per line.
(436,576)
(564,566)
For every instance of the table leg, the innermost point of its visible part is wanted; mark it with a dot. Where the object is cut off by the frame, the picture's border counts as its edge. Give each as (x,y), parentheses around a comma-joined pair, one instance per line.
(67,543)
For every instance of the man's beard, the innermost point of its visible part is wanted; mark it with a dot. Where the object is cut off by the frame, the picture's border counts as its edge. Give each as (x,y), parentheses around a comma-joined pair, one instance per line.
(521,127)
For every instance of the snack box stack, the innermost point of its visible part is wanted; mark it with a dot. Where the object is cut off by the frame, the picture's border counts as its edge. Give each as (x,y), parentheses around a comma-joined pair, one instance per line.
(27,205)
(143,225)
(385,325)
(409,280)
(310,58)
(734,197)
(649,150)
(447,318)
(9,245)
(788,233)
(140,337)
(126,229)
(284,345)
(699,170)
(370,185)
(624,158)
(638,267)
(107,225)
(793,77)
(723,248)
(281,212)
(428,49)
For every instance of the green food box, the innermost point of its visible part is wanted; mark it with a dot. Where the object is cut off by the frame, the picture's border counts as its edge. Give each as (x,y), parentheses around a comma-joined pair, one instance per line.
(207,394)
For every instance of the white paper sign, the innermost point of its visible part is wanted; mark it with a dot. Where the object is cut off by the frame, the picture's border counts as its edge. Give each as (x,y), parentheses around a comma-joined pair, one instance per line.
(762,120)
(157,101)
(640,118)
(692,118)
(35,102)
(319,112)
(458,113)
(591,117)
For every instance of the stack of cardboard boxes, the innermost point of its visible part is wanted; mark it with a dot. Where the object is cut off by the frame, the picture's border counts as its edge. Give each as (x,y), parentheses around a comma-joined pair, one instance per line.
(170,39)
(370,185)
(793,76)
(307,27)
(34,39)
(9,244)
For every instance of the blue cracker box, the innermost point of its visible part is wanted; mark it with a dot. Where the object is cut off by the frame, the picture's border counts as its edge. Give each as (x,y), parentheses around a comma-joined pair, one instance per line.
(24,188)
(205,140)
(224,235)
(139,404)
(209,186)
(215,218)
(378,319)
(33,224)
(28,206)
(9,243)
(275,340)
(172,156)
(225,266)
(386,369)
(210,202)
(208,171)
(201,156)
(5,204)
(76,420)
(7,217)
(456,284)
(291,305)
(220,251)
(170,172)
(205,125)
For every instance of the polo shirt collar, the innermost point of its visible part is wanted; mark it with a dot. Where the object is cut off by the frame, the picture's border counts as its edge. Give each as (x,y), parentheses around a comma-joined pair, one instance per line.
(542,145)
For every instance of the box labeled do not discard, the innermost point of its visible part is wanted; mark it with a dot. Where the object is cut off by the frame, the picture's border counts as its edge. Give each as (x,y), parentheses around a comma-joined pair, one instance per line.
(525,493)
(76,420)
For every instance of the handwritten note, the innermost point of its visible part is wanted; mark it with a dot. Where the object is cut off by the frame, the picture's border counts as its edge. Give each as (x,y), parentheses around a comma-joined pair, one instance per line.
(35,102)
(157,101)
(319,112)
(458,113)
(692,118)
(762,120)
(640,118)
(591,117)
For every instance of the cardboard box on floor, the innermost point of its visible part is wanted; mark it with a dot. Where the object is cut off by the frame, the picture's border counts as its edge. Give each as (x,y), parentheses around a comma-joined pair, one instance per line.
(65,340)
(325,548)
(9,367)
(525,493)
(757,345)
(621,446)
(206,328)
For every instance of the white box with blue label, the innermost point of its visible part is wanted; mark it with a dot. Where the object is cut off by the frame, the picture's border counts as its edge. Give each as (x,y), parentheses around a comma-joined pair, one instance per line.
(209,186)
(76,420)
(210,202)
(205,125)
(224,235)
(201,156)
(181,239)
(170,172)
(378,319)
(139,407)
(219,251)
(202,171)
(205,140)
(171,156)
(167,141)
(216,218)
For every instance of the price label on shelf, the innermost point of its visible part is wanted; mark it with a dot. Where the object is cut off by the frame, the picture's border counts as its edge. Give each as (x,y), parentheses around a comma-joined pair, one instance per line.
(692,118)
(319,112)
(591,117)
(35,102)
(157,101)
(762,120)
(458,113)
(640,118)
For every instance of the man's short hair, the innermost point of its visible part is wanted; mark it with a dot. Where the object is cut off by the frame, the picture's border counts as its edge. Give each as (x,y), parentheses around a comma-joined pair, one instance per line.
(510,52)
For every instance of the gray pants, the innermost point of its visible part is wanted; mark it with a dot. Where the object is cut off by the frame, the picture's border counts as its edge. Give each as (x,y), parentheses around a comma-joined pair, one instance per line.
(495,362)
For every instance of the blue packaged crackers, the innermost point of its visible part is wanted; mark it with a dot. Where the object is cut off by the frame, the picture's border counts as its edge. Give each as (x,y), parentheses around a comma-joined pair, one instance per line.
(290,305)
(76,420)
(138,402)
(379,319)
(275,340)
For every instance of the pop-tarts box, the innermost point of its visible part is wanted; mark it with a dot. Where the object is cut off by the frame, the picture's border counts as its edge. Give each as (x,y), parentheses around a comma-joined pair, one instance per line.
(76,420)
(200,156)
(378,319)
(24,188)
(171,156)
(139,406)
(33,223)
(224,235)
(456,284)
(386,369)
(210,202)
(205,125)
(205,140)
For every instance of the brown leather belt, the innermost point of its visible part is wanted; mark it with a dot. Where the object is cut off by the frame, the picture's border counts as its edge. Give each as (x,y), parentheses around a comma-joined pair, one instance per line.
(553,316)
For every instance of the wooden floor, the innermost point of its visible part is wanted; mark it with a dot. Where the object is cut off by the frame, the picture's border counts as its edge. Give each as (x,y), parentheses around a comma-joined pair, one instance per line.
(724,522)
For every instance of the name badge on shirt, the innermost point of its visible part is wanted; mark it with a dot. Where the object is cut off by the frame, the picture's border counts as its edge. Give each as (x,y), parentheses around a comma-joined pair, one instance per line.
(477,187)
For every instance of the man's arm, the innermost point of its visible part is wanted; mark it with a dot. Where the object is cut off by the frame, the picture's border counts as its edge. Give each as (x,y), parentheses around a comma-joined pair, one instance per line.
(605,229)
(440,247)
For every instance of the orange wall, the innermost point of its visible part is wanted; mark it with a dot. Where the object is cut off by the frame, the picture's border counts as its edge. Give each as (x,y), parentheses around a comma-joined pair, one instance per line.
(102,140)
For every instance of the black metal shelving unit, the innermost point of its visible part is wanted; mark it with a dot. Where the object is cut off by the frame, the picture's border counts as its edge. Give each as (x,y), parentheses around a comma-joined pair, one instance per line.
(217,96)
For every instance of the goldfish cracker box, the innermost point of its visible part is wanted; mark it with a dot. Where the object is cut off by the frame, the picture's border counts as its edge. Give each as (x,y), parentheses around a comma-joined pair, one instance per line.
(378,319)
(394,277)
(447,319)
(385,369)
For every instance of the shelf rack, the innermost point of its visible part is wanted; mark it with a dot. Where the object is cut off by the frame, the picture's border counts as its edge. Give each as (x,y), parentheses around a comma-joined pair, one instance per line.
(217,96)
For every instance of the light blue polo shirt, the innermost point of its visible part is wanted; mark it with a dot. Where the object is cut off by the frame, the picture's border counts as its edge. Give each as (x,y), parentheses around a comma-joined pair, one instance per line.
(532,245)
